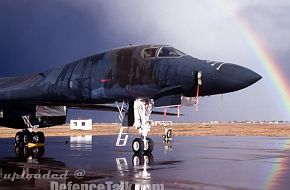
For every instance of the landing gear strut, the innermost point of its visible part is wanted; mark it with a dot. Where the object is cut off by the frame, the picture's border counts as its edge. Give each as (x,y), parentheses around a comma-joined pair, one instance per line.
(142,112)
(27,135)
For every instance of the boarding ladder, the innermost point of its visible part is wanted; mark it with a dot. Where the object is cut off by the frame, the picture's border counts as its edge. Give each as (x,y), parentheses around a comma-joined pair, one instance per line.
(123,136)
(124,131)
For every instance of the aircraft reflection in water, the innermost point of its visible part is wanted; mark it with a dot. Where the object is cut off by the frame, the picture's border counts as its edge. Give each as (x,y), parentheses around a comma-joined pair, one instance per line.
(81,143)
(141,163)
(142,77)
(31,161)
(29,170)
(29,153)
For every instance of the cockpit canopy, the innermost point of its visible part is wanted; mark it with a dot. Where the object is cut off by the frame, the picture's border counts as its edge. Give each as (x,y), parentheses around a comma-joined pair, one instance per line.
(162,52)
(149,52)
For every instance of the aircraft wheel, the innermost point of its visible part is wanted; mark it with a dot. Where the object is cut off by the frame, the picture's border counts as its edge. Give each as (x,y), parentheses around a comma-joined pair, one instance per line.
(138,146)
(18,138)
(38,137)
(31,135)
(25,138)
(35,138)
(149,146)
(42,137)
(169,134)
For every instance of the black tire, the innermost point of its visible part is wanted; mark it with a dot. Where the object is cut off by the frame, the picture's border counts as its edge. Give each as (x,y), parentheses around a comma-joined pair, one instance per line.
(150,146)
(25,138)
(138,146)
(18,138)
(39,137)
(35,138)
(31,135)
(138,160)
(169,134)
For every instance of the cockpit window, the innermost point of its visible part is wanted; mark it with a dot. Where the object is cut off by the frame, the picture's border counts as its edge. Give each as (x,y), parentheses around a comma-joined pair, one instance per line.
(169,52)
(149,52)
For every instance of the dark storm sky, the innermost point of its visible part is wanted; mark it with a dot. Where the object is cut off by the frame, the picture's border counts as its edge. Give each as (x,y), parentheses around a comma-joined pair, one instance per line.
(36,35)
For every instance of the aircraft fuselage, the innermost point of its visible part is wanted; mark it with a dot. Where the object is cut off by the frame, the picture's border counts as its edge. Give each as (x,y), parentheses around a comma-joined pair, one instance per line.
(124,75)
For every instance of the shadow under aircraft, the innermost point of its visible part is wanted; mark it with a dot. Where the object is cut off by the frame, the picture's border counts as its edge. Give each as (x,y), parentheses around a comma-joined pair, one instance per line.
(142,77)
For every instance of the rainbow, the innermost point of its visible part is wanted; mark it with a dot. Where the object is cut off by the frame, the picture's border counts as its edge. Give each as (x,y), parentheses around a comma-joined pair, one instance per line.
(279,80)
(266,58)
(277,171)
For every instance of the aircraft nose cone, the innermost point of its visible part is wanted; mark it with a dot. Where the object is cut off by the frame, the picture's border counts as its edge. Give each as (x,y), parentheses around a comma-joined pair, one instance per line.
(234,77)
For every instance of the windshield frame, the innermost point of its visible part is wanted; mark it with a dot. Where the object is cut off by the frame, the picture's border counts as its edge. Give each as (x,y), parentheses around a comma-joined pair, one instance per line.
(159,50)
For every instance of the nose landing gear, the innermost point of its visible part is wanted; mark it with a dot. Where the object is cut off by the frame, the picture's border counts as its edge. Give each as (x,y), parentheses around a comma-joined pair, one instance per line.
(141,145)
(142,112)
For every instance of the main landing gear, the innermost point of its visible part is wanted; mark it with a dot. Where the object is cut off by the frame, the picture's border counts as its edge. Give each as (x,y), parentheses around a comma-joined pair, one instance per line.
(142,112)
(24,137)
(28,136)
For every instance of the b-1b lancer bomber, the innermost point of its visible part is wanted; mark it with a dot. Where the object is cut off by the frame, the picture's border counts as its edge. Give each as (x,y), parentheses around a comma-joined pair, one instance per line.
(143,77)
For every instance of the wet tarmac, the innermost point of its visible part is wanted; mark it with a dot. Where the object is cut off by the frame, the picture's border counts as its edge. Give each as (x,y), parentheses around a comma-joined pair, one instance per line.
(187,163)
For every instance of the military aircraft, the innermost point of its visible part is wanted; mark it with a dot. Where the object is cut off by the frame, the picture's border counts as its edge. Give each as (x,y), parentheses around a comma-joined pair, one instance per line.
(142,76)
